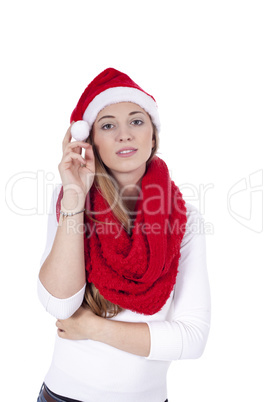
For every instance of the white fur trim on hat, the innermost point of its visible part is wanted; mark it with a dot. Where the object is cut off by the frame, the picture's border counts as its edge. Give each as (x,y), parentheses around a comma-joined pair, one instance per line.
(121,94)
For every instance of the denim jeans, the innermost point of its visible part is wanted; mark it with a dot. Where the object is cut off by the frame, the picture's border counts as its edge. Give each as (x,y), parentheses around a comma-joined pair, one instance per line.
(42,399)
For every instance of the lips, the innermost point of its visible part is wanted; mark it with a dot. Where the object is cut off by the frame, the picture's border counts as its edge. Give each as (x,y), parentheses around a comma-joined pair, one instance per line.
(126,151)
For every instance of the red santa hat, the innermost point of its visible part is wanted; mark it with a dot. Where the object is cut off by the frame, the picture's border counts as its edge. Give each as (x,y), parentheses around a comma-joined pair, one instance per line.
(109,87)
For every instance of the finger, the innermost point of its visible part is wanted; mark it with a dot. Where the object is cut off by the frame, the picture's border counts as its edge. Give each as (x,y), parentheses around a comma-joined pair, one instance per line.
(61,333)
(76,146)
(72,157)
(67,138)
(58,324)
(89,154)
(89,160)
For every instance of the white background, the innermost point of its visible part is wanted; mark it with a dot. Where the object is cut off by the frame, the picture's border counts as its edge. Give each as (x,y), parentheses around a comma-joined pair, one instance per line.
(206,64)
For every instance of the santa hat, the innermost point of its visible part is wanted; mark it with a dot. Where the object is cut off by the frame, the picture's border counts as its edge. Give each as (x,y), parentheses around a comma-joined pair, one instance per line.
(109,87)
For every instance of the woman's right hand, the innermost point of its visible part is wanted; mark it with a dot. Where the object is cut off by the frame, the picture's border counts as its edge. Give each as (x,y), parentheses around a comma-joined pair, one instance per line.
(77,173)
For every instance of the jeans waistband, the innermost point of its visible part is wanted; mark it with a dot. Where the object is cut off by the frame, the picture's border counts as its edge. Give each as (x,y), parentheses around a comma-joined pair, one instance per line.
(55,397)
(45,392)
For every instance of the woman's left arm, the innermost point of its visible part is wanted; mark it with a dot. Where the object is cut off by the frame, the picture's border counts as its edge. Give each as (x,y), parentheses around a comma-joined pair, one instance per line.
(127,336)
(184,334)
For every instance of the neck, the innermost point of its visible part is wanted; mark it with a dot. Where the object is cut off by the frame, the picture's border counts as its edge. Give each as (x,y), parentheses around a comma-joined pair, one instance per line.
(130,182)
(129,187)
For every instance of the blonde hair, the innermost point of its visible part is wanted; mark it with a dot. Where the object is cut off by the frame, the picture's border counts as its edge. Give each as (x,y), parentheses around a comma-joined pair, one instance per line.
(93,299)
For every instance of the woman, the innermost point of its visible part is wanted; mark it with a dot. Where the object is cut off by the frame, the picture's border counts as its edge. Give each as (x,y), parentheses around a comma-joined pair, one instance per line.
(124,270)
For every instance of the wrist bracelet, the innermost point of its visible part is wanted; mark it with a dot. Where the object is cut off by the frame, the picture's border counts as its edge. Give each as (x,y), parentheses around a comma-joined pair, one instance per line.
(71,213)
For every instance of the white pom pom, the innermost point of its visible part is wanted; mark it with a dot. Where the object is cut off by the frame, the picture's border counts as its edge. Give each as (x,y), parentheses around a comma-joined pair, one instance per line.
(80,130)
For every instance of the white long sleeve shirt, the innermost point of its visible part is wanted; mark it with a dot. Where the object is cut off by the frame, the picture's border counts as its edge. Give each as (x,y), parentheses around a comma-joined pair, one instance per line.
(93,371)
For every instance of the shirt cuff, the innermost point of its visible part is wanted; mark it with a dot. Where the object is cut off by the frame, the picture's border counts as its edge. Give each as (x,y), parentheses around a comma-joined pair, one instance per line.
(60,308)
(166,340)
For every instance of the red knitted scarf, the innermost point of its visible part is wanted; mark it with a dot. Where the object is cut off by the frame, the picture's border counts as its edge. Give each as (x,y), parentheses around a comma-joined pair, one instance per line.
(137,271)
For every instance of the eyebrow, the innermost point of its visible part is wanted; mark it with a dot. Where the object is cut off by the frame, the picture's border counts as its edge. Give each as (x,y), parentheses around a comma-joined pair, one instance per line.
(131,113)
(105,117)
(113,117)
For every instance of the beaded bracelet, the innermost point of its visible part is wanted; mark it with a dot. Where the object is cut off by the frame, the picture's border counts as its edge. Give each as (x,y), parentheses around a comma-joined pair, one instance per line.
(71,213)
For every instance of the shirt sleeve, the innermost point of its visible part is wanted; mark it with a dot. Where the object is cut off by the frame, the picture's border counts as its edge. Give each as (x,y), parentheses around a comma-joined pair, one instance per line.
(59,308)
(184,336)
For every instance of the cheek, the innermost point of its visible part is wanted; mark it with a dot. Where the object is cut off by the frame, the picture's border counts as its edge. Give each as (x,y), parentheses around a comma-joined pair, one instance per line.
(150,140)
(147,148)
(96,139)
(104,149)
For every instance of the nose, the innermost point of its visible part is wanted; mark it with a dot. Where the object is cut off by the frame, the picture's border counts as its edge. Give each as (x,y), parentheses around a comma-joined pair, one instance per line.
(125,139)
(124,135)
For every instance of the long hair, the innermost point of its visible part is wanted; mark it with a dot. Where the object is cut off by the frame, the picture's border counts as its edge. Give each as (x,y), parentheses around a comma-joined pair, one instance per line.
(93,299)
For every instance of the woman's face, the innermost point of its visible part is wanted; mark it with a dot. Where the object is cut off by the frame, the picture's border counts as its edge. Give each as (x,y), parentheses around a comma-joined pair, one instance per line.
(123,136)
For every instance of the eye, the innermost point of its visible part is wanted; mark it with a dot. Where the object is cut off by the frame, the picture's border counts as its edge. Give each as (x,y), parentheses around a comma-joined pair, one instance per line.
(137,122)
(107,126)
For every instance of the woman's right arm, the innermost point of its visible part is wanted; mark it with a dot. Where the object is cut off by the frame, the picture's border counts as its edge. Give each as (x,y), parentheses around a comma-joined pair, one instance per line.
(59,308)
(63,272)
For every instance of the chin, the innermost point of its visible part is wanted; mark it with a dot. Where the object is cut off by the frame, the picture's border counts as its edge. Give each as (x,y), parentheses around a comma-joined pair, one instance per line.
(126,166)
